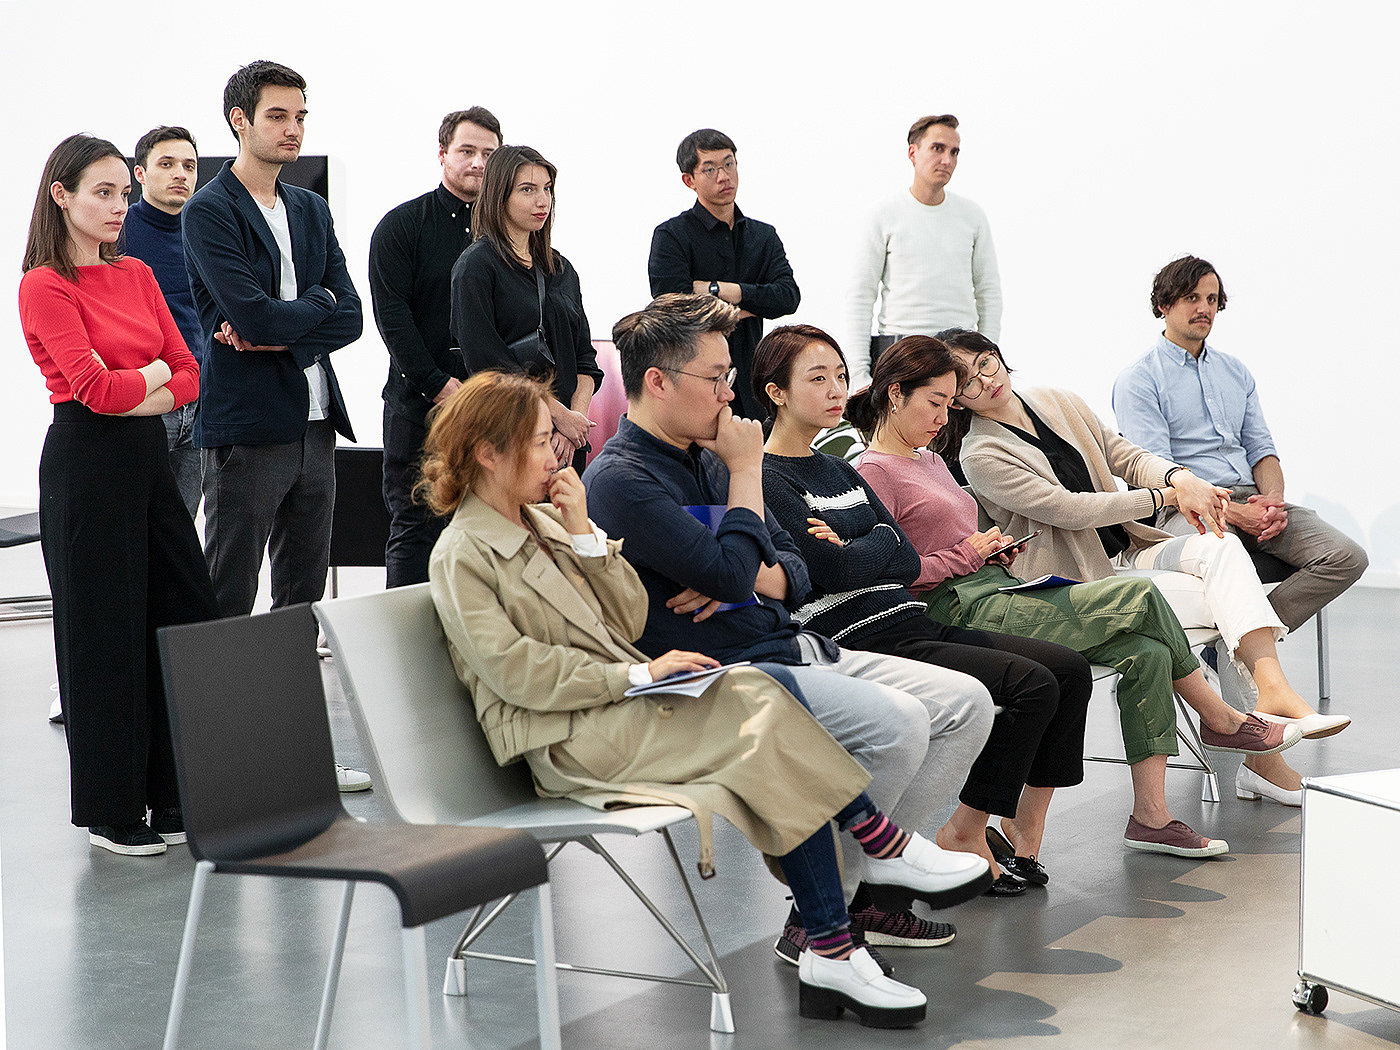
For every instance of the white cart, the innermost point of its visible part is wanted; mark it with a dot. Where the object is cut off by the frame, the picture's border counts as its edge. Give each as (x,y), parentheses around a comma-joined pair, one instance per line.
(1347,936)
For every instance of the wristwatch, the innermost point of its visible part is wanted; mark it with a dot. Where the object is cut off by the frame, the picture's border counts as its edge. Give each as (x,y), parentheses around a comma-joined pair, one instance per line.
(714,289)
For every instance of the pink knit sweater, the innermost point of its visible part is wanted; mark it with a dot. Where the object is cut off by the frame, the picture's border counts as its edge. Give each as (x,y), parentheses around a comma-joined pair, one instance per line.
(931,507)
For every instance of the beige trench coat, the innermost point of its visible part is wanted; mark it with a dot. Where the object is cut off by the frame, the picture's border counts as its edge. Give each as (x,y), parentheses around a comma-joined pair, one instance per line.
(543,639)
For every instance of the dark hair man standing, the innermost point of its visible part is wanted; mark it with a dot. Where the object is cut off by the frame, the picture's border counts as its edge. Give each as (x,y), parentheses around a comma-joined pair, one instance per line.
(410,269)
(714,248)
(270,282)
(167,167)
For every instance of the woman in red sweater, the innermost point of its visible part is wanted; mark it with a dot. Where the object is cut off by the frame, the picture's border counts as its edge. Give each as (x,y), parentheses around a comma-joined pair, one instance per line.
(122,554)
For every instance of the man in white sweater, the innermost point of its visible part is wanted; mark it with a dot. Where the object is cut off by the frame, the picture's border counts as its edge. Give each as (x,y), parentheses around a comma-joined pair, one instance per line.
(926,256)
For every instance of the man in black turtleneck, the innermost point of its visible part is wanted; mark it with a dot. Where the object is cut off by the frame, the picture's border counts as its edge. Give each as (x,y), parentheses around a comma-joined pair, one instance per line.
(410,269)
(166,168)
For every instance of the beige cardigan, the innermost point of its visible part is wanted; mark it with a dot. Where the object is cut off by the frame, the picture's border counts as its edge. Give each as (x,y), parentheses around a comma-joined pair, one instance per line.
(543,639)
(1014,482)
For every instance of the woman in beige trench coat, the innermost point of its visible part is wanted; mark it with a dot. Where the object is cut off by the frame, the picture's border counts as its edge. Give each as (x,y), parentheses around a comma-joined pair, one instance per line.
(540,611)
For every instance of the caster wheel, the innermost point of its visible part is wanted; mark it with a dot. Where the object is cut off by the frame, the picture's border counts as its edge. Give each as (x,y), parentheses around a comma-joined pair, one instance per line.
(1310,998)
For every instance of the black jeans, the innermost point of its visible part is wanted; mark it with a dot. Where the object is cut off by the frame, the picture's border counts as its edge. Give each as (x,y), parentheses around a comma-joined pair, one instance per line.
(413,528)
(1042,690)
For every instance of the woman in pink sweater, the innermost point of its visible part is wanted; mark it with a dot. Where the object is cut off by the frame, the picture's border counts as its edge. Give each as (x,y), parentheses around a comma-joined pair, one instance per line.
(1123,622)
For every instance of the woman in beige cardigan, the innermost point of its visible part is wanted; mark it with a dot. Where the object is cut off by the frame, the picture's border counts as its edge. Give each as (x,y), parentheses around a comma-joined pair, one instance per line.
(540,611)
(1043,460)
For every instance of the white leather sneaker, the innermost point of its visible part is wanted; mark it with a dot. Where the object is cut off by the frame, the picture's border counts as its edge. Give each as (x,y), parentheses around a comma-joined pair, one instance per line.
(828,986)
(1249,785)
(938,877)
(352,779)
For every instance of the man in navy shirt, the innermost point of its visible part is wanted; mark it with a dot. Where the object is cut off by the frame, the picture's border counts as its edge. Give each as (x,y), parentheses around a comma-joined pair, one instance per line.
(167,167)
(713,248)
(723,591)
(410,278)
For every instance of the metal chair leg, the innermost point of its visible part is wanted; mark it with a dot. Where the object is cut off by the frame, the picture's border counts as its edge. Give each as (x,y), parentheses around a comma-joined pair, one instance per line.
(202,871)
(546,973)
(323,1020)
(415,974)
(1324,658)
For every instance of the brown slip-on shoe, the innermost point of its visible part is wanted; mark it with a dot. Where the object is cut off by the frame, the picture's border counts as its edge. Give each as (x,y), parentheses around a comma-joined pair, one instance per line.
(1254,737)
(1175,838)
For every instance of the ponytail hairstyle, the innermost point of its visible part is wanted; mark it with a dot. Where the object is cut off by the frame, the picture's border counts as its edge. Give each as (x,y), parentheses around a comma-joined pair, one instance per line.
(907,365)
(498,408)
(950,438)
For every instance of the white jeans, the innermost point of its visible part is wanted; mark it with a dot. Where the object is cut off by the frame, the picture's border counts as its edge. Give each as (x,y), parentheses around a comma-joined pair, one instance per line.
(916,728)
(1210,582)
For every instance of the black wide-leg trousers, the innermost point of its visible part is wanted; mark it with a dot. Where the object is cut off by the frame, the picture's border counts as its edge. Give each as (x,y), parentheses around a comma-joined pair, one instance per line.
(123,559)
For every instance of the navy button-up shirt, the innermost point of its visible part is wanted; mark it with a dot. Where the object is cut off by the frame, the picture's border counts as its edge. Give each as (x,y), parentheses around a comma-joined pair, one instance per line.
(638,489)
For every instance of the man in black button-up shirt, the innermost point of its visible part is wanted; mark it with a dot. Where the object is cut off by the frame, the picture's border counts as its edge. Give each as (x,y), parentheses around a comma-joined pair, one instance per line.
(410,269)
(713,248)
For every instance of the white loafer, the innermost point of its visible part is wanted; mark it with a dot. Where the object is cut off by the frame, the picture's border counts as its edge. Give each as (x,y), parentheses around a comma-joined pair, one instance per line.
(1249,785)
(828,986)
(938,877)
(1314,726)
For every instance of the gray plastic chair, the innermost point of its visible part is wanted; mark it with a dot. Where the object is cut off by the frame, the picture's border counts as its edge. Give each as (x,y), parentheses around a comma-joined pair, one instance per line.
(247,710)
(435,766)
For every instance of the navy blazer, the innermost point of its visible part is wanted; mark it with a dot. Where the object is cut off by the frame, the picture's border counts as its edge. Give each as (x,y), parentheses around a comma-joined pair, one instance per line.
(261,398)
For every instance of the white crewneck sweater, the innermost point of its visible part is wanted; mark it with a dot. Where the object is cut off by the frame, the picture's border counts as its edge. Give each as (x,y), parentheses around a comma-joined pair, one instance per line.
(931,266)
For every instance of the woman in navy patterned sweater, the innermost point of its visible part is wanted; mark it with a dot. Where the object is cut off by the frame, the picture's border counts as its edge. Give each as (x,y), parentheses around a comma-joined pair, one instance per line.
(861,566)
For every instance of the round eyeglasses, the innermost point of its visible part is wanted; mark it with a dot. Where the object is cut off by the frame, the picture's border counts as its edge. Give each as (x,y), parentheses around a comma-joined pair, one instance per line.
(987,366)
(727,378)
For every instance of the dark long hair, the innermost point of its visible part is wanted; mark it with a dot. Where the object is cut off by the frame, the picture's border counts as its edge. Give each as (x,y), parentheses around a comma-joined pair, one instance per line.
(489,211)
(950,438)
(774,355)
(907,365)
(48,233)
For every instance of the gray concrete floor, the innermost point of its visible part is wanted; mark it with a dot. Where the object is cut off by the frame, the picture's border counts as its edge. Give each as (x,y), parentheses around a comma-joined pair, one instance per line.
(1121,950)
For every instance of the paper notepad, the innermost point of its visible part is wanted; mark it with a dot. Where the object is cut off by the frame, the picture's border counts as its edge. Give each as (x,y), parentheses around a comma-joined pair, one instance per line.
(1042,582)
(692,683)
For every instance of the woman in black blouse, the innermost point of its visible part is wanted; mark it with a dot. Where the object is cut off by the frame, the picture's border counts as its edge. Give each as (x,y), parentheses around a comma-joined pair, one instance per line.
(516,304)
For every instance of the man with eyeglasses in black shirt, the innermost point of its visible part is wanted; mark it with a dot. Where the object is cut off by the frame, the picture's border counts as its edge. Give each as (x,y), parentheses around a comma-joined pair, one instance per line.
(410,269)
(713,248)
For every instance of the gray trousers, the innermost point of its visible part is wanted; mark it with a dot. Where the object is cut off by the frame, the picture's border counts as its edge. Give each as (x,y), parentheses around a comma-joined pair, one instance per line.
(916,729)
(1328,561)
(278,497)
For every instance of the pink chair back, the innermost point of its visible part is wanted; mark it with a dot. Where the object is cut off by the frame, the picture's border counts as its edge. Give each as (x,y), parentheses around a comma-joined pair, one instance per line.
(609,402)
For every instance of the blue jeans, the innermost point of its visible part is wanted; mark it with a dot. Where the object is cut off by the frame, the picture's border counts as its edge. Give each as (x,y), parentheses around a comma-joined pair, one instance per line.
(184,457)
(810,869)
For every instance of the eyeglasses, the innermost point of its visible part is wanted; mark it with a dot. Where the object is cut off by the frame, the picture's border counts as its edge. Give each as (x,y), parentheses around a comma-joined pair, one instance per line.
(727,378)
(988,366)
(709,171)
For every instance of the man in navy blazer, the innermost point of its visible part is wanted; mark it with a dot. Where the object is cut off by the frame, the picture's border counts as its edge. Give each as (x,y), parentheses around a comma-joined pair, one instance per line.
(275,299)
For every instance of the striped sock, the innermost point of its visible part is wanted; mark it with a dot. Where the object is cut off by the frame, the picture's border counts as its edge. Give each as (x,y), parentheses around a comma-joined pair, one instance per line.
(836,945)
(880,837)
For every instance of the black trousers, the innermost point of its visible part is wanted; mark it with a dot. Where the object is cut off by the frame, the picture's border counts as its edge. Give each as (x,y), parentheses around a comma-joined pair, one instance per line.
(413,528)
(123,559)
(1041,688)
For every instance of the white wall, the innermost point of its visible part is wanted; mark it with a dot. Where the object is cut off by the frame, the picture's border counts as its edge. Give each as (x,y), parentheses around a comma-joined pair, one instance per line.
(1102,138)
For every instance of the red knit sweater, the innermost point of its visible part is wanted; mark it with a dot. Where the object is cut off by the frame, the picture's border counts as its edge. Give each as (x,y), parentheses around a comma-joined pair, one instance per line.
(116,310)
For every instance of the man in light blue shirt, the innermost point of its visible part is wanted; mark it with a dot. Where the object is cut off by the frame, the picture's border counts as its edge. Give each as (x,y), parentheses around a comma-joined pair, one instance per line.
(1191,403)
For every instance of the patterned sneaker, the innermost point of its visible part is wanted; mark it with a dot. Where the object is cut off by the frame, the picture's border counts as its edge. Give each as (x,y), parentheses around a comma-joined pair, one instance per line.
(790,945)
(900,929)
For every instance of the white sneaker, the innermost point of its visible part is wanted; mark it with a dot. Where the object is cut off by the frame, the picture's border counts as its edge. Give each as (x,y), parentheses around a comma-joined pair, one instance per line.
(56,709)
(938,877)
(828,986)
(1249,786)
(352,779)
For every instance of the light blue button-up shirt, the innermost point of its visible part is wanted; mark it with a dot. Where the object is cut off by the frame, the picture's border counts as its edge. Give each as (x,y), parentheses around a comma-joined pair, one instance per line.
(1200,412)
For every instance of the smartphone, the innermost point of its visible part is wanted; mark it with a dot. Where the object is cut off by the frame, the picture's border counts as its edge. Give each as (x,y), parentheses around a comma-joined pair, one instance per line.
(1013,544)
